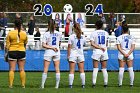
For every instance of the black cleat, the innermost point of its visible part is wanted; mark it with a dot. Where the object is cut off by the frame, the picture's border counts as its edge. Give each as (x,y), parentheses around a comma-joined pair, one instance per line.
(93,86)
(105,86)
(83,86)
(70,86)
(119,85)
(131,86)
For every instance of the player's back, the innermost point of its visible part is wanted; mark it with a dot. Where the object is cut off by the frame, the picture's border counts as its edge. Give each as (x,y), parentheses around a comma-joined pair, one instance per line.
(77,44)
(126,41)
(53,39)
(100,38)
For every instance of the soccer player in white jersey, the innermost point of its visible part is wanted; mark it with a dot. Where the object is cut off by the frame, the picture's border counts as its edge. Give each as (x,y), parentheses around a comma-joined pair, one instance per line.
(99,42)
(51,42)
(75,54)
(126,46)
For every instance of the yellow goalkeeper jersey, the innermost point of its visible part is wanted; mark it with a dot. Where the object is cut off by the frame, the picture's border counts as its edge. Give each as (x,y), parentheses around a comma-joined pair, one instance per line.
(15,43)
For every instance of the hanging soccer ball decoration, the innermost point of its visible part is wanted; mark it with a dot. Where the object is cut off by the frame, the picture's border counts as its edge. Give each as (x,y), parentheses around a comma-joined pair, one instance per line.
(67,8)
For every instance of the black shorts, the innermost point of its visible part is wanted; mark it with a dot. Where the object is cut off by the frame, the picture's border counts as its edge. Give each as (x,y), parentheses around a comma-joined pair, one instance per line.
(16,55)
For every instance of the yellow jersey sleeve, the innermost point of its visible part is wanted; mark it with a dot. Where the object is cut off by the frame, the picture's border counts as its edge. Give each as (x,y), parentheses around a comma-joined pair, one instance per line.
(26,40)
(7,41)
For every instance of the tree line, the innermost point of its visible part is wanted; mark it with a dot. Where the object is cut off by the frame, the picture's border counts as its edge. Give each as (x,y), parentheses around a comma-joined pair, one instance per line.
(127,6)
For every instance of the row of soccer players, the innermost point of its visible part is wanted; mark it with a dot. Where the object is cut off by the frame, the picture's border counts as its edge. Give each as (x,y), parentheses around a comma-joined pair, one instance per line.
(51,42)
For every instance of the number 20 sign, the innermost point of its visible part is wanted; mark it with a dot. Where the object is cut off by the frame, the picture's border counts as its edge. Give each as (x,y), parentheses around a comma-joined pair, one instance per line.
(90,9)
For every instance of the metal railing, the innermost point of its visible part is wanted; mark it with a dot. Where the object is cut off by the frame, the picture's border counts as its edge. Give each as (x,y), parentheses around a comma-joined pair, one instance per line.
(37,45)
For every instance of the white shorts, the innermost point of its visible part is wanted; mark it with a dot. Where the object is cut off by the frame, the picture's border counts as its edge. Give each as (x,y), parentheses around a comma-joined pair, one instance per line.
(50,58)
(121,57)
(77,59)
(100,57)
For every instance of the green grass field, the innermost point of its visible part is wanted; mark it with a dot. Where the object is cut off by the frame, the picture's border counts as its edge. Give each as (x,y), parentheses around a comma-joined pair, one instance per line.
(34,79)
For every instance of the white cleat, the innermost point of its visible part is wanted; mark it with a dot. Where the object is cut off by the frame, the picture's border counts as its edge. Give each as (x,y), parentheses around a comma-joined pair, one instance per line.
(42,87)
(56,87)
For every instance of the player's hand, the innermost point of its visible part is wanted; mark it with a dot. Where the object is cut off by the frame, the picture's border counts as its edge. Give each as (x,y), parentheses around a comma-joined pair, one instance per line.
(126,55)
(103,49)
(55,49)
(68,58)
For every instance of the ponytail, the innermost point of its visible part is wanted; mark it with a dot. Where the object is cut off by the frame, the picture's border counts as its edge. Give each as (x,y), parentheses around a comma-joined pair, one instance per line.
(19,31)
(18,26)
(77,30)
(51,25)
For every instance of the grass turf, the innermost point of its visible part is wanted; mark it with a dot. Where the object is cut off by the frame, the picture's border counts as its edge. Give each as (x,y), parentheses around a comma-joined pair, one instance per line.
(33,82)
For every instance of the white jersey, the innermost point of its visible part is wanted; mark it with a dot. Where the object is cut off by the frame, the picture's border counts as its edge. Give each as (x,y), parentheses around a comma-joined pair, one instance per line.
(52,39)
(100,38)
(126,41)
(77,45)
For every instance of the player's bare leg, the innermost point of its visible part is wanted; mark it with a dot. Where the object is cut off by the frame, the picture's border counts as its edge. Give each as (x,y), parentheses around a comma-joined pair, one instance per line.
(71,74)
(82,73)
(56,65)
(121,72)
(105,74)
(44,75)
(131,72)
(95,72)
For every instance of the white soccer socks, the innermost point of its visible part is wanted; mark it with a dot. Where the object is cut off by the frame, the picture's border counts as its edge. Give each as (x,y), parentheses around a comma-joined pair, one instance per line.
(82,76)
(71,78)
(44,77)
(57,80)
(120,77)
(94,75)
(105,75)
(131,75)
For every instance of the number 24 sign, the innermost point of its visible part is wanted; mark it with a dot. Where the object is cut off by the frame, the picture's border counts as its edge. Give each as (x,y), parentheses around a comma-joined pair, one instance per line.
(90,9)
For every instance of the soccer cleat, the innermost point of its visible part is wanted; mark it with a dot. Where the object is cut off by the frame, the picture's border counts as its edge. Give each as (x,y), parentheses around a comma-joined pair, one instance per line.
(56,87)
(70,86)
(131,86)
(105,86)
(23,86)
(10,86)
(93,86)
(83,86)
(119,85)
(42,87)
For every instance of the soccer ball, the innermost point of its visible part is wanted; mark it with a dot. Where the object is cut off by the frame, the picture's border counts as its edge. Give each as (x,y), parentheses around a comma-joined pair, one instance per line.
(67,8)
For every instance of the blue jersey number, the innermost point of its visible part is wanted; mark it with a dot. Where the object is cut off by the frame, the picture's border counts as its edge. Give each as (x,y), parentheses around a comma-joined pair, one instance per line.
(127,41)
(53,40)
(99,9)
(101,39)
(78,44)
